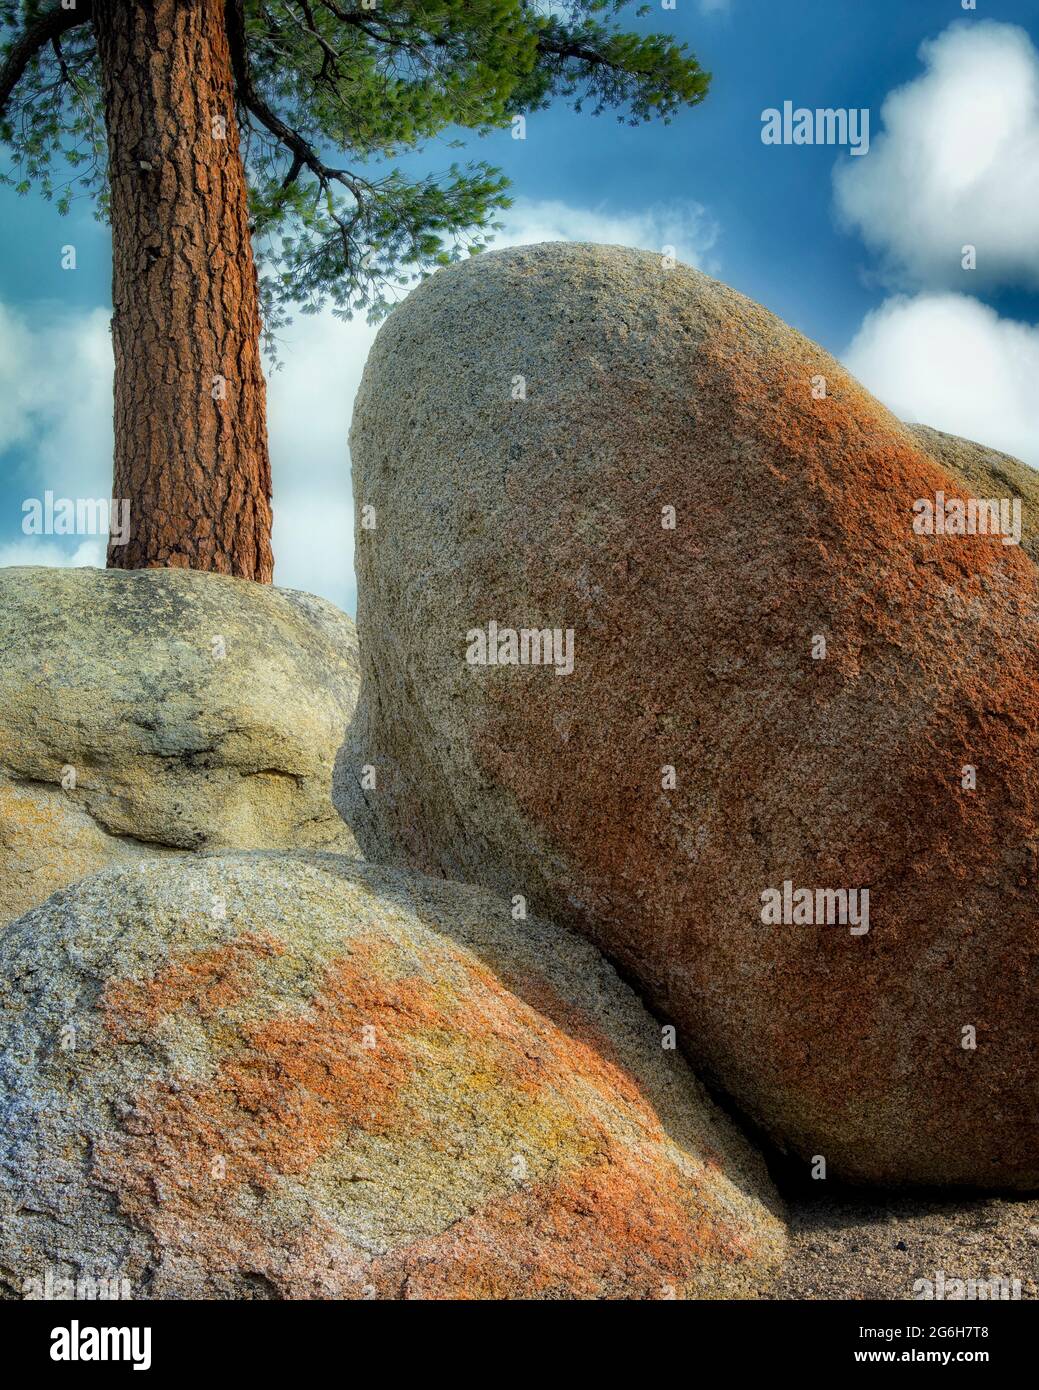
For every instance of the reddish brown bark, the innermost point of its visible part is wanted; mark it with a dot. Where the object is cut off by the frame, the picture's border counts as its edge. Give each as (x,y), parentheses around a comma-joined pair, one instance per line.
(190,401)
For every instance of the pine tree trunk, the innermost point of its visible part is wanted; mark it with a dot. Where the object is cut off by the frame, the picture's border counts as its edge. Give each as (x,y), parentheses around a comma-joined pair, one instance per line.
(190,401)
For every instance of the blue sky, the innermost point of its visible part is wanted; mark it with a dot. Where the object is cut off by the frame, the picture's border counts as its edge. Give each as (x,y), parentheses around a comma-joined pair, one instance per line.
(862,254)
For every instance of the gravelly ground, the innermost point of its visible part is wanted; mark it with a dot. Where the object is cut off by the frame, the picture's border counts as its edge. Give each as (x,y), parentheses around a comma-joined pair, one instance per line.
(875,1247)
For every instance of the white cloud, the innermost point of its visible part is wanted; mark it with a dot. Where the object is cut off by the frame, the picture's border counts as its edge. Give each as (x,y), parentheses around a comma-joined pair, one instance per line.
(310,402)
(56,393)
(714,6)
(949,361)
(47,552)
(688,227)
(314,544)
(957,163)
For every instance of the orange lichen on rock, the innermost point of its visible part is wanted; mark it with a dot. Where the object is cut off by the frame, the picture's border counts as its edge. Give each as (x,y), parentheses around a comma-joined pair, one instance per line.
(206,981)
(612,1228)
(576,1046)
(292,1086)
(288,1085)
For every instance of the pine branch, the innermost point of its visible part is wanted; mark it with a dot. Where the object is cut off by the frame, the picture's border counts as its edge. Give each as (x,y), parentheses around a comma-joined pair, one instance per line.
(46,29)
(303,153)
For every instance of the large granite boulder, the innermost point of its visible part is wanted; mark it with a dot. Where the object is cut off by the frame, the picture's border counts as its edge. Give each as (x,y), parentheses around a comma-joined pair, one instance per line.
(158,710)
(779,696)
(350,1082)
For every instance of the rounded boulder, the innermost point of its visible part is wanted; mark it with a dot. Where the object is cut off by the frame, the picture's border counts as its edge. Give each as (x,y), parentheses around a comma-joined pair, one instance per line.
(293,1076)
(654,632)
